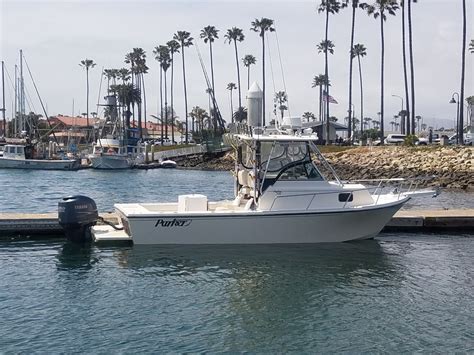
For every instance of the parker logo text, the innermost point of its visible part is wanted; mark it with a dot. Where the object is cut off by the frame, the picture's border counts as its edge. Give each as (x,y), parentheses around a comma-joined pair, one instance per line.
(173,222)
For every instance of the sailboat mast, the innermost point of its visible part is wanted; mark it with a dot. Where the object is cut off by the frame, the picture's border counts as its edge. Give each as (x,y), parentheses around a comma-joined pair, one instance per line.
(15,131)
(22,93)
(3,100)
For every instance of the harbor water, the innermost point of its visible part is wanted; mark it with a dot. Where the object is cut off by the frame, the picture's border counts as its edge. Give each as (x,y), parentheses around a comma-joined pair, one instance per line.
(39,191)
(398,293)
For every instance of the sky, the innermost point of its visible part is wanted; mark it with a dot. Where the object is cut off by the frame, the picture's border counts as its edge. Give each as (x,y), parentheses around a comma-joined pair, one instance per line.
(56,35)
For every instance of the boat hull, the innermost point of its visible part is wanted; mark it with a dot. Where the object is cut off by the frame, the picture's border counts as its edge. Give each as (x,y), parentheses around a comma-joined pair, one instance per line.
(261,227)
(39,164)
(110,162)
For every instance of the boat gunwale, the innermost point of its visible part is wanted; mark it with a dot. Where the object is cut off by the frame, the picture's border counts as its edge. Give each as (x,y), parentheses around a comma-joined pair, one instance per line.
(247,213)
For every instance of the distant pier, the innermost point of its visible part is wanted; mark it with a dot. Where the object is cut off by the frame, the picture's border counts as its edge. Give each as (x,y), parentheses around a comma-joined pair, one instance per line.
(47,225)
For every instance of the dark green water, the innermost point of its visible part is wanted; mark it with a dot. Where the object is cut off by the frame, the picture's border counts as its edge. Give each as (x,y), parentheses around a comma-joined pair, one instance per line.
(399,293)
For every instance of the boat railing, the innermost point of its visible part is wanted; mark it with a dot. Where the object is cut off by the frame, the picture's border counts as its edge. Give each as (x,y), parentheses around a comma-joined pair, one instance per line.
(400,188)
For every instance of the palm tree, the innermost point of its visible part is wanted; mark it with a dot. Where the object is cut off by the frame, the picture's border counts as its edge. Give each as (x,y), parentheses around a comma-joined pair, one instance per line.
(261,26)
(392,123)
(248,61)
(199,115)
(173,47)
(231,86)
(418,119)
(326,47)
(124,75)
(412,67)
(405,71)
(328,7)
(209,34)
(281,99)
(367,121)
(185,40)
(463,70)
(308,116)
(162,55)
(128,94)
(360,51)
(355,5)
(320,80)
(137,60)
(108,74)
(235,35)
(379,9)
(423,126)
(87,64)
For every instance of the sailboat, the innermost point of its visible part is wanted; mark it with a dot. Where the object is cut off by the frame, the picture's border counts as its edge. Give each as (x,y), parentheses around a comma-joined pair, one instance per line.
(23,151)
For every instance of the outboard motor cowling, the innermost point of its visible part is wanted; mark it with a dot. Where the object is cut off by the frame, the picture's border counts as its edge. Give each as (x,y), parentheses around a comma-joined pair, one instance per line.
(77,214)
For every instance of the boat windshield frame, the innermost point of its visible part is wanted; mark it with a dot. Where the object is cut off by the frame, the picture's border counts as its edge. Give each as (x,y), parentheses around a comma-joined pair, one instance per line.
(284,160)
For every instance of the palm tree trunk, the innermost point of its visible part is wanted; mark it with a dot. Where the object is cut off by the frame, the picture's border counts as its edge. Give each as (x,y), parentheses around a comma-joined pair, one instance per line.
(321,102)
(133,104)
(405,72)
(263,77)
(166,108)
(463,69)
(231,108)
(361,98)
(326,73)
(248,77)
(171,98)
(238,74)
(139,107)
(185,96)
(161,103)
(87,104)
(349,132)
(412,69)
(144,98)
(381,79)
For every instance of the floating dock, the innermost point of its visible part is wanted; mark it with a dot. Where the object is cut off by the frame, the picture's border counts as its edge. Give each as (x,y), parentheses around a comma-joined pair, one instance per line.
(46,225)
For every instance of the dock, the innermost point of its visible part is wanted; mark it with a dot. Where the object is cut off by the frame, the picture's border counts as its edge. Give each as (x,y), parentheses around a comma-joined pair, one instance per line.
(46,225)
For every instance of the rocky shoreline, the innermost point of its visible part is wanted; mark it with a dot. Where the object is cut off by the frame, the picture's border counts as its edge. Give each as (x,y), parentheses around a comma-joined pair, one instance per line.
(449,167)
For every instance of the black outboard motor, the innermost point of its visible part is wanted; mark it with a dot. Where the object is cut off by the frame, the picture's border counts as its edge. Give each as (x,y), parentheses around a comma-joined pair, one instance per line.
(77,214)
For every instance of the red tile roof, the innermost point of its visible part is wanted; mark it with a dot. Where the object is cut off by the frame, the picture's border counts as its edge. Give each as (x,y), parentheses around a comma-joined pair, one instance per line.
(72,121)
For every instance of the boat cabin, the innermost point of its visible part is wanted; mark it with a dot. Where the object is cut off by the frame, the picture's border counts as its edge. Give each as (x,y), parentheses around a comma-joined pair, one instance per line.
(13,151)
(109,146)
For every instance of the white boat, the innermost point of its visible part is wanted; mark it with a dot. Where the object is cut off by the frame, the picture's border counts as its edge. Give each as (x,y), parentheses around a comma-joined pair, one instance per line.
(168,164)
(15,157)
(110,154)
(285,192)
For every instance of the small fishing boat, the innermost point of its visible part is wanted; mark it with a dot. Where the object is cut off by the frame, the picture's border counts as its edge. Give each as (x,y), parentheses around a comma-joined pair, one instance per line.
(285,192)
(16,156)
(110,154)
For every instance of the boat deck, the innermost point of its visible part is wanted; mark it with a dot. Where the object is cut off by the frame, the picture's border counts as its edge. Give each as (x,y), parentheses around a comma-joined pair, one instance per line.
(146,209)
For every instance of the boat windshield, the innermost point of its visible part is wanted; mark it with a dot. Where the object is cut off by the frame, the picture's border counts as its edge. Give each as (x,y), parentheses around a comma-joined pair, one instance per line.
(284,161)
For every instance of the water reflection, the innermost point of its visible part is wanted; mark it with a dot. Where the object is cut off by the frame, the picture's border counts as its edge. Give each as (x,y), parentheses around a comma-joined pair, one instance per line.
(79,257)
